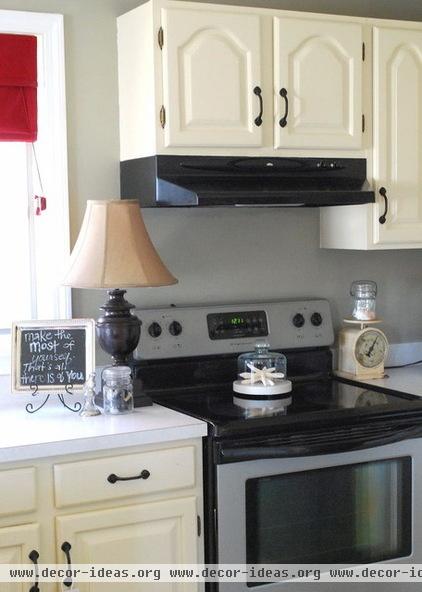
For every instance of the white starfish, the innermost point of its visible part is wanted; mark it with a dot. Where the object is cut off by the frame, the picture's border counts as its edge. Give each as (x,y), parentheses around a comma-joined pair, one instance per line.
(264,375)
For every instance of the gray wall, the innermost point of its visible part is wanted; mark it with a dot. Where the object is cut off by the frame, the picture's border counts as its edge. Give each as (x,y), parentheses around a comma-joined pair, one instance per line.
(394,9)
(218,255)
(229,255)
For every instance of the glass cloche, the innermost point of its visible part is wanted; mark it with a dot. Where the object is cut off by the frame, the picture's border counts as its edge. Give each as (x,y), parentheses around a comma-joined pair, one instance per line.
(262,358)
(262,372)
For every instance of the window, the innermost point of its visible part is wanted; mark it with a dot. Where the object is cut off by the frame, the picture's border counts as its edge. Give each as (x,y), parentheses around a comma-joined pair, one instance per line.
(34,249)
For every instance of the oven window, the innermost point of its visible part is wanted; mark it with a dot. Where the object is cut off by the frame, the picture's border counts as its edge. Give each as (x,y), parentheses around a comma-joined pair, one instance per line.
(358,513)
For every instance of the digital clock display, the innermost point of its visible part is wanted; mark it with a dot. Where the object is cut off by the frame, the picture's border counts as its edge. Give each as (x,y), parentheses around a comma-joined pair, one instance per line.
(237,321)
(237,324)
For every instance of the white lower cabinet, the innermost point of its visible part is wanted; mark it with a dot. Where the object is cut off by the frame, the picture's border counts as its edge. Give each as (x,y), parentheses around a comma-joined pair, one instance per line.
(150,533)
(16,544)
(18,491)
(164,470)
(139,505)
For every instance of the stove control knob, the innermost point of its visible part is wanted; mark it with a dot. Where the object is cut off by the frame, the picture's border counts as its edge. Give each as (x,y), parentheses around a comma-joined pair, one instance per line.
(155,329)
(175,328)
(316,319)
(298,320)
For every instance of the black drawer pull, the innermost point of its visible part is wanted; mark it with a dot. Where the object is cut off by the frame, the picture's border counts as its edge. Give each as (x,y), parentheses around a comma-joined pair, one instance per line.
(33,556)
(142,475)
(66,550)
(283,120)
(258,92)
(382,219)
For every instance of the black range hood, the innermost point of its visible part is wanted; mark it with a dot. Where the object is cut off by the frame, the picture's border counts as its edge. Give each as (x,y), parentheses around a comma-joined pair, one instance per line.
(165,181)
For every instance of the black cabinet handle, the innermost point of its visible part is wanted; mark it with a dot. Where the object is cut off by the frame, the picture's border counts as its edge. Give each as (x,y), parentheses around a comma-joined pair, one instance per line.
(258,92)
(33,556)
(66,550)
(283,120)
(382,219)
(142,475)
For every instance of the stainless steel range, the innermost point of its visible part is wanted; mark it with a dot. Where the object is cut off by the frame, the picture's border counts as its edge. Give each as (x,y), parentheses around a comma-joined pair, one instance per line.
(333,477)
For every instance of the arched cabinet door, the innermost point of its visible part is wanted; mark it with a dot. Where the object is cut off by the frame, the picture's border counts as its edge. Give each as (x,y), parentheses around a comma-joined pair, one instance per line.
(398,136)
(318,83)
(150,533)
(212,87)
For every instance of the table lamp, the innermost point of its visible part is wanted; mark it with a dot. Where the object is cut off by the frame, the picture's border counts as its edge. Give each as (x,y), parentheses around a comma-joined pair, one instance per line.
(114,251)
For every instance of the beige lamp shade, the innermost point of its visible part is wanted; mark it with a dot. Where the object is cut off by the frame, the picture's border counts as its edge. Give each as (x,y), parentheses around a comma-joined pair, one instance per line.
(114,250)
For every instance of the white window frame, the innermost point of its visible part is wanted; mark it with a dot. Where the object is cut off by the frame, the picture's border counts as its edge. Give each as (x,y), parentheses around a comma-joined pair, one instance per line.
(50,33)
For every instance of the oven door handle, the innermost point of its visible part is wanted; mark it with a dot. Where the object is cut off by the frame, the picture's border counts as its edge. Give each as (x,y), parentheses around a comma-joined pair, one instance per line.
(326,442)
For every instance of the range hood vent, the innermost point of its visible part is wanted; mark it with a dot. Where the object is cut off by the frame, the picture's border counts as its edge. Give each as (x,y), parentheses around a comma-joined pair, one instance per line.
(166,181)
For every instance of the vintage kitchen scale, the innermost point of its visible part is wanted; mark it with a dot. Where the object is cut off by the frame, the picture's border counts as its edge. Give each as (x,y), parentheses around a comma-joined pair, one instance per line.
(363,348)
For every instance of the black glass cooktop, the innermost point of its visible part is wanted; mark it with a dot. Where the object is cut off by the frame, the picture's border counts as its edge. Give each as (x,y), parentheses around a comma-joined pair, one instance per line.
(316,401)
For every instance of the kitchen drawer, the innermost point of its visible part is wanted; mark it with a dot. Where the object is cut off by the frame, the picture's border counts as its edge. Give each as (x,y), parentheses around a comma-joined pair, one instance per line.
(17,491)
(87,481)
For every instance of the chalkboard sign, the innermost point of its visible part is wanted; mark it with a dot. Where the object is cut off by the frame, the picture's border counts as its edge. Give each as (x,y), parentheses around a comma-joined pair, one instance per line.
(52,356)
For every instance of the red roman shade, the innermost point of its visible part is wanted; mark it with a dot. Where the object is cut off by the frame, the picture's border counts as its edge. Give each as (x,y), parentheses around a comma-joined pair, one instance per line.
(18,88)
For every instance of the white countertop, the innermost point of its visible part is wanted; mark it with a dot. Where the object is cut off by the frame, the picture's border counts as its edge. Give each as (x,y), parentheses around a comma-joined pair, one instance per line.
(406,380)
(55,431)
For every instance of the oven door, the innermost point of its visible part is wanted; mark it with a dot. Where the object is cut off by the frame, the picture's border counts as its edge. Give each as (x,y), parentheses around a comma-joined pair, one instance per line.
(353,508)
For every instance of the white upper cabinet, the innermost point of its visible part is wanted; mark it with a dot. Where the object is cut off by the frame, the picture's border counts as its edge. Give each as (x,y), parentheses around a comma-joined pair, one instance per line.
(318,83)
(398,135)
(207,78)
(395,220)
(212,86)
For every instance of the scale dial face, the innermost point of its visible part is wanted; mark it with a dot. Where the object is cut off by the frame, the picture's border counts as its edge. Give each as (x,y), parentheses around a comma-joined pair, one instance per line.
(371,348)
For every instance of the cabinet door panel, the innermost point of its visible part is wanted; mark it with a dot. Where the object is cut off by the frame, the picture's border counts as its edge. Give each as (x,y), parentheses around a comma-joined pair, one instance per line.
(171,468)
(320,65)
(211,65)
(16,542)
(162,532)
(398,134)
(18,491)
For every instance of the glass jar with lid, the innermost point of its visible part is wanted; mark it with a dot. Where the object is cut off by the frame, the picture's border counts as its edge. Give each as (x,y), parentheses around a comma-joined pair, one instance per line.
(117,390)
(364,293)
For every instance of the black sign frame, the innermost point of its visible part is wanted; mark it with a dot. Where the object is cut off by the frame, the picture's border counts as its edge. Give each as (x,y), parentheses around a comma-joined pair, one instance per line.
(69,339)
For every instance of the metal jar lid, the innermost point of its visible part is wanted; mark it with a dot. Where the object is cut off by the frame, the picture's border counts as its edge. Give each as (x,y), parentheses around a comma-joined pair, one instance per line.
(116,373)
